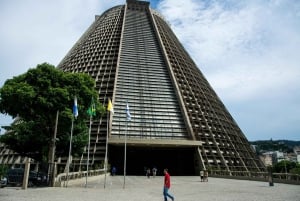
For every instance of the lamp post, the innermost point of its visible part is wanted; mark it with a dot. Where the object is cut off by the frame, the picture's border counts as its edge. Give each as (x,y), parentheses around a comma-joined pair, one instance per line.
(270,176)
(128,118)
(125,150)
(285,169)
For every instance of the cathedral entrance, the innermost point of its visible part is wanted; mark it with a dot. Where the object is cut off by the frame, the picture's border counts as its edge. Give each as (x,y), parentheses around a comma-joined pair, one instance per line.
(179,161)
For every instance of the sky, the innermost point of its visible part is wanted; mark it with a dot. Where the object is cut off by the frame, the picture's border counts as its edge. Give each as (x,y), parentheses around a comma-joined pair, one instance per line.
(249,51)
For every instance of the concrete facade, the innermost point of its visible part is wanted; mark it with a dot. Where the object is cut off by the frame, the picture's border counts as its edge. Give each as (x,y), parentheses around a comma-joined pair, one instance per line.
(136,59)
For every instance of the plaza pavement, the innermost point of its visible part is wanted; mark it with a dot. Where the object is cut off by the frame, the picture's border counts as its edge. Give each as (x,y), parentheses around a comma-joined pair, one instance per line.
(139,188)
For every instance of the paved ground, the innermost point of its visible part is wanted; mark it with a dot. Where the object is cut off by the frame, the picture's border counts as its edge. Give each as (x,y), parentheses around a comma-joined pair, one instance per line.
(143,189)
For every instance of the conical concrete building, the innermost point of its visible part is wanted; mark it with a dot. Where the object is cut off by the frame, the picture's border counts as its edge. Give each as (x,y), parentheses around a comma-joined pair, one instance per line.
(177,120)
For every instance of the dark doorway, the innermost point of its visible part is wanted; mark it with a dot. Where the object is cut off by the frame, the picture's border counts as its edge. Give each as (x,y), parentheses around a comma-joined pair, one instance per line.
(179,161)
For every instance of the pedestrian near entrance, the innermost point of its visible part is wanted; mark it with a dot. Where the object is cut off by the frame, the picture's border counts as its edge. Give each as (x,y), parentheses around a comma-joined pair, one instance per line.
(206,175)
(202,175)
(154,170)
(148,173)
(113,171)
(167,185)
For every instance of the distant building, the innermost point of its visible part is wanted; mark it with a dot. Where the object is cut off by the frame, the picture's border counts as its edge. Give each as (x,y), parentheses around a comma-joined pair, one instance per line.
(267,158)
(291,157)
(278,156)
(254,147)
(297,150)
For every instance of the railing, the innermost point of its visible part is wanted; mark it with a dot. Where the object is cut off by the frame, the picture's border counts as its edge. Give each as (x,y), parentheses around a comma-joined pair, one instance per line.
(63,177)
(287,176)
(258,176)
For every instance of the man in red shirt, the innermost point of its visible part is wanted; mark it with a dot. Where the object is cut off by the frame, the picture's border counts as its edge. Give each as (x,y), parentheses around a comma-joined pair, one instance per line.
(167,185)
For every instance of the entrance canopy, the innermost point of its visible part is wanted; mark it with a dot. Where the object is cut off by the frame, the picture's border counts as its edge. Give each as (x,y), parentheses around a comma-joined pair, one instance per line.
(153,142)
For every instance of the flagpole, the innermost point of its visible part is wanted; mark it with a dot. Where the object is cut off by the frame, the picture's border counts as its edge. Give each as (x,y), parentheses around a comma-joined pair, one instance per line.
(125,153)
(110,109)
(106,146)
(75,114)
(88,156)
(52,154)
(128,118)
(70,151)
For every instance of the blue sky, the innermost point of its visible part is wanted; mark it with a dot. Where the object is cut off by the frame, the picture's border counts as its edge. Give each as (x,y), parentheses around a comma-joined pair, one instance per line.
(247,50)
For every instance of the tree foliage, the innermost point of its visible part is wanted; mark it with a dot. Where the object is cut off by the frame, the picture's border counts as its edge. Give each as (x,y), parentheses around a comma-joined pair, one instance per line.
(271,145)
(3,170)
(287,166)
(34,98)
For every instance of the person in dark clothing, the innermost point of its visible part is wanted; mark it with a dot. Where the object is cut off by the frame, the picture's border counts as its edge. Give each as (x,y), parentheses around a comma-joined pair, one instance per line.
(113,171)
(148,173)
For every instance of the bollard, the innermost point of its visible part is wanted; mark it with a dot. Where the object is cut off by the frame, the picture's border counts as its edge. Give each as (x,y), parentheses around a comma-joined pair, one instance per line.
(271,183)
(26,174)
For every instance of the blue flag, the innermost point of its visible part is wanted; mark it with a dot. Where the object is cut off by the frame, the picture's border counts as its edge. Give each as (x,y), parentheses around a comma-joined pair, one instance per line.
(128,116)
(75,108)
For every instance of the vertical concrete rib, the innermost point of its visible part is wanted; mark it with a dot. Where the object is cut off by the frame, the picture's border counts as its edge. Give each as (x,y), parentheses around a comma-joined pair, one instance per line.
(172,76)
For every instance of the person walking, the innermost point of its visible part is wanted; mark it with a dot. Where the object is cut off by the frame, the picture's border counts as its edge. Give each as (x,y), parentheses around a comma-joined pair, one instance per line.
(113,171)
(148,173)
(167,185)
(154,170)
(206,175)
(202,175)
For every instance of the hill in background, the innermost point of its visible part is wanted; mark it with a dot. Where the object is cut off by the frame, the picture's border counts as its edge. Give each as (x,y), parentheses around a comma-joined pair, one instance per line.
(275,145)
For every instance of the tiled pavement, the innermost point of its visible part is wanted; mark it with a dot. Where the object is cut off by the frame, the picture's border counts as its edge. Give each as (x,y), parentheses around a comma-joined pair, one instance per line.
(144,189)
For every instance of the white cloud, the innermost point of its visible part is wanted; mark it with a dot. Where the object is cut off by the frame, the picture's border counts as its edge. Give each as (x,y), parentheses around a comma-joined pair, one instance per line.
(33,32)
(42,31)
(249,52)
(242,48)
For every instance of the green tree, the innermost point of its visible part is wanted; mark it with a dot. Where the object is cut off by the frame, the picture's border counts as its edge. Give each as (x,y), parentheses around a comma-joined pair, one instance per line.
(285,166)
(3,170)
(296,170)
(34,98)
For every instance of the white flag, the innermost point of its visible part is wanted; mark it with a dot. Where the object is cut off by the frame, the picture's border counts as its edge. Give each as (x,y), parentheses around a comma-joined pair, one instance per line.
(128,116)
